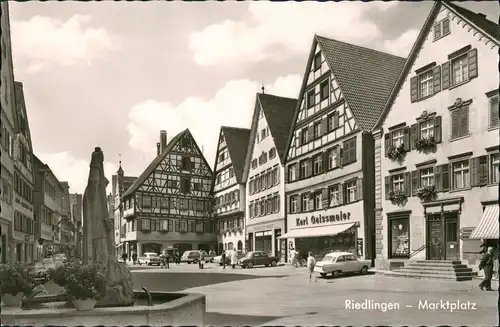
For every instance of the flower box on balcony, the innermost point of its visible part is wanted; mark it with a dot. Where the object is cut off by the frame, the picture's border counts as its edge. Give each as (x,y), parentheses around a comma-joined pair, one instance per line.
(396,153)
(398,197)
(427,193)
(425,144)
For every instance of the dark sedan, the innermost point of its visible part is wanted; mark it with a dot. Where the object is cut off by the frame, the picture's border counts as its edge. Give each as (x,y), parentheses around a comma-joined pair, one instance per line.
(258,258)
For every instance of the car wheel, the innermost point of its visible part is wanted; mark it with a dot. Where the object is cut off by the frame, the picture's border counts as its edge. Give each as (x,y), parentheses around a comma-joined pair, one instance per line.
(267,265)
(336,273)
(211,261)
(220,263)
(274,263)
(322,274)
(250,265)
(189,262)
(364,270)
(149,264)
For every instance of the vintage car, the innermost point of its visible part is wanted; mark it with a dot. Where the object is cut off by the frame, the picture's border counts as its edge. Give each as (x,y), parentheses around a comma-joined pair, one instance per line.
(193,256)
(218,259)
(149,259)
(336,263)
(258,258)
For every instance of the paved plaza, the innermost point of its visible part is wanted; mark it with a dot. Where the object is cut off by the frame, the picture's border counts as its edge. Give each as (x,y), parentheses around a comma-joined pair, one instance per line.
(284,296)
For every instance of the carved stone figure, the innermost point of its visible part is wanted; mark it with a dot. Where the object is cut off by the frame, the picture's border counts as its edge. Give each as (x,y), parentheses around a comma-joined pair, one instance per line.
(100,229)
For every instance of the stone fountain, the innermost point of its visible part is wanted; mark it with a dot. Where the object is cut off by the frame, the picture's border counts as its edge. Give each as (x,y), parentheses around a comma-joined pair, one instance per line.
(121,305)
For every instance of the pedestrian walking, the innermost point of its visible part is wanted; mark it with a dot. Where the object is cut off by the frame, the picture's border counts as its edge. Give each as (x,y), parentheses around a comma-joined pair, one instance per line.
(486,264)
(177,258)
(311,262)
(164,257)
(124,257)
(223,258)
(234,258)
(294,254)
(134,257)
(201,261)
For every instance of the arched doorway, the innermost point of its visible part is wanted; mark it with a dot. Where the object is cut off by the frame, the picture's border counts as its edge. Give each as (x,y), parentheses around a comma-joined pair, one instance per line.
(240,246)
(230,246)
(221,248)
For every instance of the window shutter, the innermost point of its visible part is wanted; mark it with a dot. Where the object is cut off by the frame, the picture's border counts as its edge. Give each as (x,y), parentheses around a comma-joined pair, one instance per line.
(278,175)
(341,193)
(413,136)
(310,133)
(436,79)
(336,119)
(324,197)
(472,57)
(323,126)
(415,181)
(387,143)
(483,171)
(494,111)
(352,157)
(299,203)
(414,89)
(474,174)
(407,183)
(325,161)
(309,167)
(299,141)
(340,156)
(337,156)
(445,75)
(446,177)
(464,121)
(359,189)
(438,129)
(388,186)
(286,174)
(406,138)
(177,226)
(455,123)
(438,178)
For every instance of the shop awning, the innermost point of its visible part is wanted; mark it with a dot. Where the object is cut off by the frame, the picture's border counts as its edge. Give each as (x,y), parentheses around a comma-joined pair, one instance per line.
(317,231)
(487,228)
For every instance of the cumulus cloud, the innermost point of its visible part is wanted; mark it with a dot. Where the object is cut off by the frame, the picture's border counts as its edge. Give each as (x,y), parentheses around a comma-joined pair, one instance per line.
(70,42)
(73,170)
(402,45)
(232,105)
(275,32)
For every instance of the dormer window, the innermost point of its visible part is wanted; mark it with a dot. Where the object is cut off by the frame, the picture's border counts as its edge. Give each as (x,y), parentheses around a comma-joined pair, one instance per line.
(317,61)
(442,29)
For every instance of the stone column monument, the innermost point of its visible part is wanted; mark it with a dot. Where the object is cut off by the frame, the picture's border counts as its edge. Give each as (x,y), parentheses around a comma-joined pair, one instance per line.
(98,238)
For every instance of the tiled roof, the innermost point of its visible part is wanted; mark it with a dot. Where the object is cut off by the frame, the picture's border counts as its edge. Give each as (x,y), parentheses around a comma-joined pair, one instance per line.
(237,143)
(491,28)
(279,116)
(152,166)
(365,77)
(128,181)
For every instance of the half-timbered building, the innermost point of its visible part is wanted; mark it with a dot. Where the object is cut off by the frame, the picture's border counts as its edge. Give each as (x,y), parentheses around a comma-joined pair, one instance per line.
(265,218)
(229,187)
(329,162)
(438,149)
(170,203)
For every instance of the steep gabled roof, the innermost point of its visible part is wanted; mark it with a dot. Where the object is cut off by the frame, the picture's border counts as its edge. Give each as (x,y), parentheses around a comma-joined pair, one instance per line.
(478,21)
(278,112)
(237,143)
(46,168)
(128,181)
(156,161)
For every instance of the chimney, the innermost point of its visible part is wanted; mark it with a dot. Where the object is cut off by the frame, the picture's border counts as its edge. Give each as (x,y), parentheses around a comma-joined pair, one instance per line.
(158,148)
(163,140)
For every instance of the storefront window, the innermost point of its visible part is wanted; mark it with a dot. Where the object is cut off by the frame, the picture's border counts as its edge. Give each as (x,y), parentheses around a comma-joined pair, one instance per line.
(400,240)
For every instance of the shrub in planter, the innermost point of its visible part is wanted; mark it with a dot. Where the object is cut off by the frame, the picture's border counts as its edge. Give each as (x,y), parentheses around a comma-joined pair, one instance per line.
(84,283)
(427,193)
(16,281)
(426,144)
(398,197)
(396,153)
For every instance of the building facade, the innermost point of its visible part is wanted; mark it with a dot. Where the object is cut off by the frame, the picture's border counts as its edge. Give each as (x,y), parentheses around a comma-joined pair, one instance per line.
(24,232)
(439,143)
(265,188)
(67,225)
(76,203)
(47,199)
(170,203)
(229,188)
(120,184)
(8,131)
(330,169)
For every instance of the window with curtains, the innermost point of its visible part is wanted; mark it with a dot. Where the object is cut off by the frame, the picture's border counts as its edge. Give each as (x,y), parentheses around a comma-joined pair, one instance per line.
(305,202)
(333,195)
(350,191)
(293,203)
(495,168)
(459,70)
(398,182)
(425,84)
(317,200)
(427,129)
(427,177)
(461,174)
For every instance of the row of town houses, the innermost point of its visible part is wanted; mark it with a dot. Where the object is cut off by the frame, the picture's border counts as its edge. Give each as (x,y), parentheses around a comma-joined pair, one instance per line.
(39,217)
(386,157)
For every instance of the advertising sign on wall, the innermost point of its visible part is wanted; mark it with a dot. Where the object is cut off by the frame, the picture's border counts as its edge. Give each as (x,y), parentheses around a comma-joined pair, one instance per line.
(359,247)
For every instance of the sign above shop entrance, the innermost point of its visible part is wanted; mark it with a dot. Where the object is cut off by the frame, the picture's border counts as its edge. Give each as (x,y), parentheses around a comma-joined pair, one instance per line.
(320,219)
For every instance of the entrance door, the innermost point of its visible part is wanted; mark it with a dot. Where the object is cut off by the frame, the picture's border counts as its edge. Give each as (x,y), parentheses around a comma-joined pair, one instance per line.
(434,239)
(451,239)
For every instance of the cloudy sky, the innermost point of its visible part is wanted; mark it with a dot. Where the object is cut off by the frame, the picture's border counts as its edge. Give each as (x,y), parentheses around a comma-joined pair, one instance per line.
(113,74)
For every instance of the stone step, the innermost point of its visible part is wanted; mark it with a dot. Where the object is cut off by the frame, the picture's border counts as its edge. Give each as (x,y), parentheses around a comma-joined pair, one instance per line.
(427,264)
(435,272)
(429,276)
(418,267)
(440,261)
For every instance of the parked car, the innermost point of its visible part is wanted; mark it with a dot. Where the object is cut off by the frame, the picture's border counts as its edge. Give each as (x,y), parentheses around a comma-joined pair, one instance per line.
(218,259)
(59,259)
(337,263)
(149,259)
(193,256)
(257,258)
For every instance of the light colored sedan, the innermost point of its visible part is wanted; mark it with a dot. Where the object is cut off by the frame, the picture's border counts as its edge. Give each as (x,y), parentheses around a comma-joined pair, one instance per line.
(337,263)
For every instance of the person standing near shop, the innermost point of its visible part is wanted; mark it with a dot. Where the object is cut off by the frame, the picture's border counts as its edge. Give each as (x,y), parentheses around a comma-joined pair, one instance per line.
(223,258)
(201,260)
(134,257)
(311,262)
(487,265)
(124,257)
(234,258)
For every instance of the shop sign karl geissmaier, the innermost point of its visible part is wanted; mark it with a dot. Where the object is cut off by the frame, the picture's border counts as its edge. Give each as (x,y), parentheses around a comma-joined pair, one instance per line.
(320,219)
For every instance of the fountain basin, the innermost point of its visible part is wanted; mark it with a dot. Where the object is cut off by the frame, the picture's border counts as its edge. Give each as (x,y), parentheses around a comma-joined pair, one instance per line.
(173,309)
